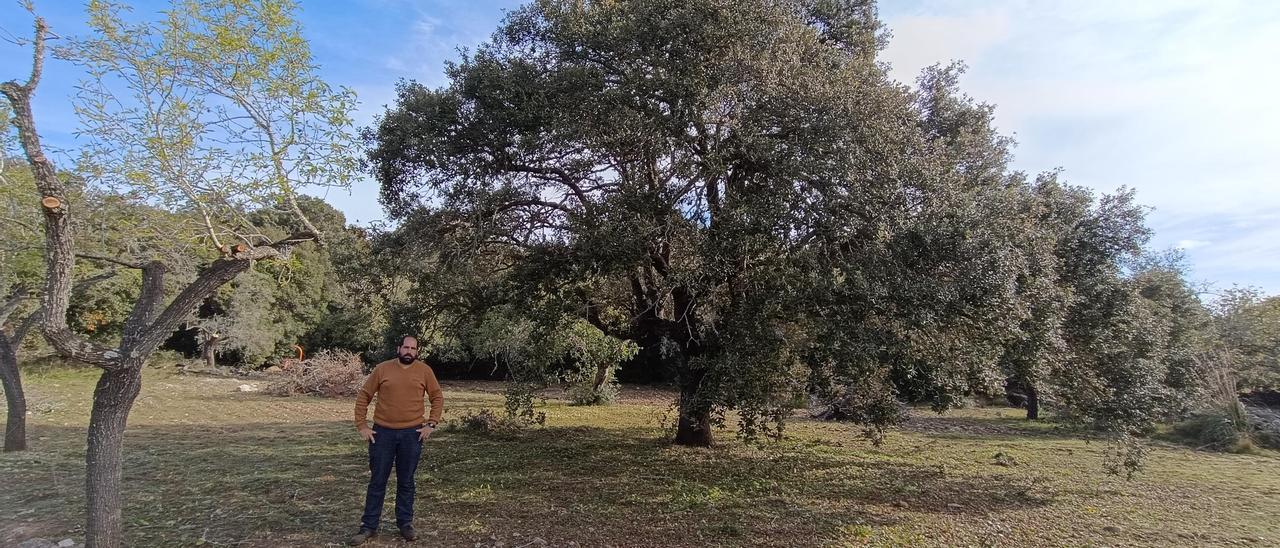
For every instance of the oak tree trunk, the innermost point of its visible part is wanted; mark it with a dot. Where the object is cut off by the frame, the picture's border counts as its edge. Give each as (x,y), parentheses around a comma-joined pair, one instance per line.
(1033,403)
(694,426)
(602,376)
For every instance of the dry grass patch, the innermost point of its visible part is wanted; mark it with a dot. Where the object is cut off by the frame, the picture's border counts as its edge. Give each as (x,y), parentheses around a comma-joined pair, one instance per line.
(206,465)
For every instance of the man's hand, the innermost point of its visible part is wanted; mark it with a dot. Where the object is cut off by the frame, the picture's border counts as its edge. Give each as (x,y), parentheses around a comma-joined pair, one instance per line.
(425,432)
(367,434)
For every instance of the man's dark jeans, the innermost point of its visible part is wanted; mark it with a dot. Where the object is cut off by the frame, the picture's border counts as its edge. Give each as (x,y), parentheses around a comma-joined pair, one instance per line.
(402,448)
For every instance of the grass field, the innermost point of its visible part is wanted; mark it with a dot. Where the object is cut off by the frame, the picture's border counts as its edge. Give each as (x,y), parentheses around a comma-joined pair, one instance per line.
(207,465)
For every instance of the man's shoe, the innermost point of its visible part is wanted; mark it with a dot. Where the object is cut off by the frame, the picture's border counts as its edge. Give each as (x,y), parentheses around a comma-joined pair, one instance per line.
(407,533)
(364,534)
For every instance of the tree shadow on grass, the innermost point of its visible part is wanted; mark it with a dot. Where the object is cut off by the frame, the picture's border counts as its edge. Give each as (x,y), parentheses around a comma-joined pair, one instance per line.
(933,424)
(263,484)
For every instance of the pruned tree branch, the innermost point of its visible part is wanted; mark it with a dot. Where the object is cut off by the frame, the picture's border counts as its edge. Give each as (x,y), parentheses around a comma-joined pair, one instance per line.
(220,272)
(60,256)
(148,304)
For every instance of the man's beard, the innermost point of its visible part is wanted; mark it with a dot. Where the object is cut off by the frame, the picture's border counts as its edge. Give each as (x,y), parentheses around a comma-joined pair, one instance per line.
(406,359)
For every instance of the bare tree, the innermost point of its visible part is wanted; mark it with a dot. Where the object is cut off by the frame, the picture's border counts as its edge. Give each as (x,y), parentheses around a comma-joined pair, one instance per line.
(230,86)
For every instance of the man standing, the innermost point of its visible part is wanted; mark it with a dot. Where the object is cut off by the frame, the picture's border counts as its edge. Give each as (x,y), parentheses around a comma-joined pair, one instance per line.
(400,425)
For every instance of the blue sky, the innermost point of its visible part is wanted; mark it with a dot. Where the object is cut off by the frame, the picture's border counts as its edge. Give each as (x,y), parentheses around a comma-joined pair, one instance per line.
(1175,98)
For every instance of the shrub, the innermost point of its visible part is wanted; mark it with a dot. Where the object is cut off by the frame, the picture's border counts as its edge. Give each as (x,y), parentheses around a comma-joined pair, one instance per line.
(486,421)
(1213,429)
(331,374)
(865,404)
(587,393)
(1125,454)
(1222,423)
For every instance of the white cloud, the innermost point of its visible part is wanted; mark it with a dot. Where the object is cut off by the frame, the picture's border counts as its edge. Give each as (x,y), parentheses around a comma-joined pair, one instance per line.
(425,25)
(1191,244)
(922,40)
(1173,98)
(436,33)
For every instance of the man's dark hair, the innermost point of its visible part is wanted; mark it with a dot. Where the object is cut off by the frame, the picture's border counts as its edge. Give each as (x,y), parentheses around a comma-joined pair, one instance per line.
(403,337)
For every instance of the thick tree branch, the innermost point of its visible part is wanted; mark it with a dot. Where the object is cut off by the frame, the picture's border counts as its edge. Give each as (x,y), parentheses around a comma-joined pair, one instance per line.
(558,175)
(148,304)
(219,273)
(73,346)
(59,245)
(540,203)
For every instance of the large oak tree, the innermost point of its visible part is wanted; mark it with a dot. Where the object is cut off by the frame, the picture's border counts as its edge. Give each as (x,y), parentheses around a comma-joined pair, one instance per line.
(737,186)
(740,188)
